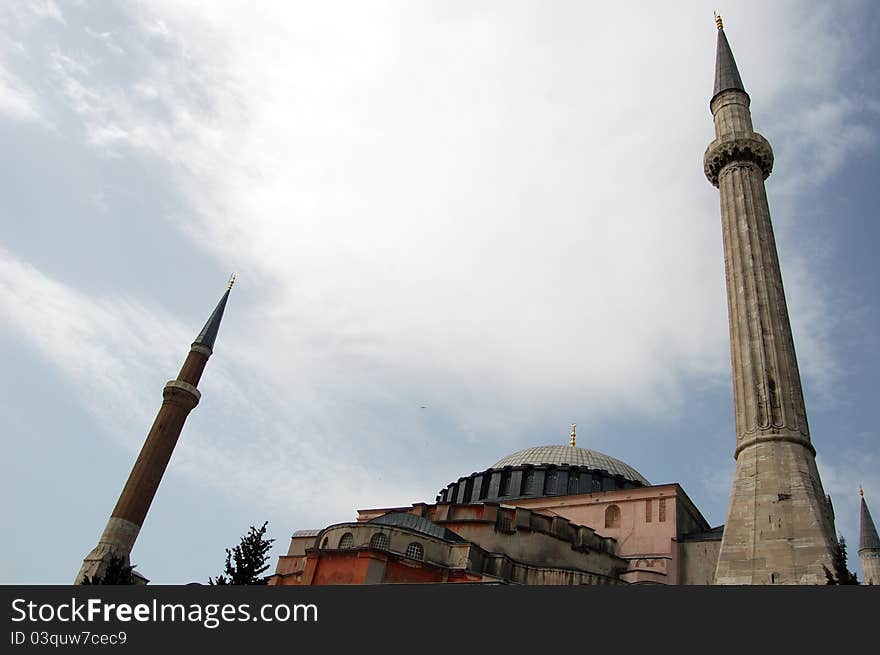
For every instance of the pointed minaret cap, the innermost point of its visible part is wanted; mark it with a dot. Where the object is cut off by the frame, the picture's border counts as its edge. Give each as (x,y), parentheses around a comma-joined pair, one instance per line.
(208,335)
(726,73)
(868,539)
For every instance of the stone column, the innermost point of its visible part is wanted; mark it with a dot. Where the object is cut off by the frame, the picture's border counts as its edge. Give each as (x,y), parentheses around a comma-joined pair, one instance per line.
(779,526)
(180,396)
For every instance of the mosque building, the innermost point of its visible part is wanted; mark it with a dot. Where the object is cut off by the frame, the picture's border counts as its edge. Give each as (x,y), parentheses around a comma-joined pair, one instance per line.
(562,514)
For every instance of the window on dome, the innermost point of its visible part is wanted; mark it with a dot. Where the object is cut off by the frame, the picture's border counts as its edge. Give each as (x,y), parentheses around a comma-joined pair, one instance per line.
(572,483)
(612,517)
(415,551)
(347,540)
(504,487)
(528,482)
(550,479)
(468,490)
(379,541)
(484,486)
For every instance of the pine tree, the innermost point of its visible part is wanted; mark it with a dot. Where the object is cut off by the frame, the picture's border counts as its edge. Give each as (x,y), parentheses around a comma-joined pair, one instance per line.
(842,574)
(116,572)
(246,563)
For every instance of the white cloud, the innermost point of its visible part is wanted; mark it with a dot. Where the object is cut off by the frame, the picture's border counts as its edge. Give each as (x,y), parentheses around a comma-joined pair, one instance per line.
(46,9)
(495,210)
(17,100)
(116,351)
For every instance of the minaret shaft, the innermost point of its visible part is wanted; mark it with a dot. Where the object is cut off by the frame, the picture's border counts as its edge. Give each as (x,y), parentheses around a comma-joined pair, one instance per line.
(779,527)
(767,390)
(143,481)
(180,396)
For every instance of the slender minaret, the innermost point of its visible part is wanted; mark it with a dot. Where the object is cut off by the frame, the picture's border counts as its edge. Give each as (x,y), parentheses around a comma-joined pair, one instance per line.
(180,397)
(869,546)
(780,525)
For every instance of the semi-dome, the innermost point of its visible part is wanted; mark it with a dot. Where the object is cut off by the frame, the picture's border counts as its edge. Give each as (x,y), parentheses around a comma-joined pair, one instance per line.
(559,455)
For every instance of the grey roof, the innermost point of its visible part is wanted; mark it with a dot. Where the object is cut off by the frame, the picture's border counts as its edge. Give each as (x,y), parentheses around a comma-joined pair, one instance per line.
(209,333)
(868,539)
(726,73)
(572,456)
(417,523)
(306,533)
(713,534)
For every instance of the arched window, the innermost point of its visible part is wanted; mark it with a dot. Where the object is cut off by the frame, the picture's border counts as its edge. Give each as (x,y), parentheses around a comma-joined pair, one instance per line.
(572,482)
(468,491)
(550,479)
(612,517)
(379,541)
(528,482)
(325,542)
(504,486)
(347,540)
(415,551)
(484,486)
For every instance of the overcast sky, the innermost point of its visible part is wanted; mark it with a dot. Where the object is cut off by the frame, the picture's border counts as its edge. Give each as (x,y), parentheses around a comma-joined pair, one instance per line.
(457,226)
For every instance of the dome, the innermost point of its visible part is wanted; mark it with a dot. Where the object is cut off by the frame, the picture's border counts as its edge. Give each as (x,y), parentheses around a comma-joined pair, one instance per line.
(589,459)
(416,523)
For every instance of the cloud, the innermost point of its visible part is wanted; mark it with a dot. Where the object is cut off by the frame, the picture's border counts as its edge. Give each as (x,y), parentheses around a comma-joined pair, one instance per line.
(497,211)
(46,9)
(17,100)
(114,352)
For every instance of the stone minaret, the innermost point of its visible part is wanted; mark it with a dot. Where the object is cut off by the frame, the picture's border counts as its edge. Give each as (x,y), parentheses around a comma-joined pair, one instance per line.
(869,546)
(780,526)
(180,397)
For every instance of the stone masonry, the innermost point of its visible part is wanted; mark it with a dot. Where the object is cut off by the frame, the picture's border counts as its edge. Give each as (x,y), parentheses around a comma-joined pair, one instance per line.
(780,527)
(180,396)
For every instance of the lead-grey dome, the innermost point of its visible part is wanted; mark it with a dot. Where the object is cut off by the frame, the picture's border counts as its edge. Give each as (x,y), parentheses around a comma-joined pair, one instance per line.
(582,457)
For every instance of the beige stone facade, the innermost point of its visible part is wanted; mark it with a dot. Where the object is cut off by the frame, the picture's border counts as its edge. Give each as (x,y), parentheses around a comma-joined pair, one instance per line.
(779,528)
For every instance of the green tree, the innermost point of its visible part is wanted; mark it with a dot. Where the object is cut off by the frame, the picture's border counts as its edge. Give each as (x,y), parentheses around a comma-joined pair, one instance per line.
(842,574)
(116,572)
(246,563)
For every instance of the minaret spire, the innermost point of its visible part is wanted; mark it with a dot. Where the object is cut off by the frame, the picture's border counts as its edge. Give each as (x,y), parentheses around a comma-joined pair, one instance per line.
(726,73)
(208,335)
(180,395)
(869,545)
(780,526)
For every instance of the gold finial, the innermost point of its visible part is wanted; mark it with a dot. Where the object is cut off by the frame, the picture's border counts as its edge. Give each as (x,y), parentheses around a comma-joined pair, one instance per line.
(573,426)
(861,493)
(718,21)
(231,281)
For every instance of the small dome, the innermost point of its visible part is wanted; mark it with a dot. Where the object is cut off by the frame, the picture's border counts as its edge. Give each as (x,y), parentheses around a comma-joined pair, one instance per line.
(557,455)
(417,523)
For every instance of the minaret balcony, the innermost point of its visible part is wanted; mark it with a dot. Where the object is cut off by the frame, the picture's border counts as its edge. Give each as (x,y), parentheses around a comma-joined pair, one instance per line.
(737,147)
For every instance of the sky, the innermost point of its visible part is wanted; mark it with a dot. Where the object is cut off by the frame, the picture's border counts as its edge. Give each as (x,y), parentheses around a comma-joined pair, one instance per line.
(457,229)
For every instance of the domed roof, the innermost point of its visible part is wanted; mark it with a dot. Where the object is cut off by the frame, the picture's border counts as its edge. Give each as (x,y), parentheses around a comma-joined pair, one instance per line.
(417,523)
(573,456)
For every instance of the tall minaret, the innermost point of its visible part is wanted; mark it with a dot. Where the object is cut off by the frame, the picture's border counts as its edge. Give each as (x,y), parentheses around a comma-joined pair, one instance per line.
(780,526)
(869,546)
(180,397)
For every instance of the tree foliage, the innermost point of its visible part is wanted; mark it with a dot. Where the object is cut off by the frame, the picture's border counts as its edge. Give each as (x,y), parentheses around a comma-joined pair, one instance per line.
(246,563)
(116,572)
(842,574)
